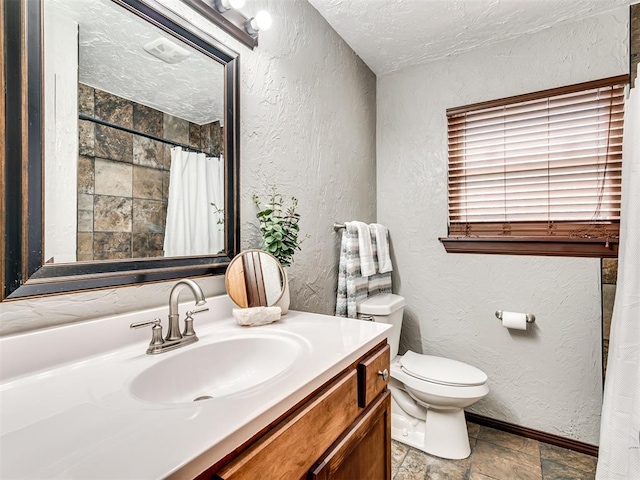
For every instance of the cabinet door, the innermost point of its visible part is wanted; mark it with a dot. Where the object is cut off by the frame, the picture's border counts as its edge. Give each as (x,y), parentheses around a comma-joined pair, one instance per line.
(289,449)
(371,380)
(364,452)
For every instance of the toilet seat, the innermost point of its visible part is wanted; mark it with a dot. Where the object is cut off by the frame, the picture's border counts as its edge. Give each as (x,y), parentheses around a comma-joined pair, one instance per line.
(441,371)
(445,391)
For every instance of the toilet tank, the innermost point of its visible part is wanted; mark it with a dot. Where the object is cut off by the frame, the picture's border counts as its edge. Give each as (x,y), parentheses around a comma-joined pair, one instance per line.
(385,308)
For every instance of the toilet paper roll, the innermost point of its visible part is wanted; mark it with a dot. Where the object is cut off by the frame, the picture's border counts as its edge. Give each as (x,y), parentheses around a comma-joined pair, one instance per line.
(514,320)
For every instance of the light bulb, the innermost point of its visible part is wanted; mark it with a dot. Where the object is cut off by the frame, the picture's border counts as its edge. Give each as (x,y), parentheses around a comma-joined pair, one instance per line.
(224,5)
(263,20)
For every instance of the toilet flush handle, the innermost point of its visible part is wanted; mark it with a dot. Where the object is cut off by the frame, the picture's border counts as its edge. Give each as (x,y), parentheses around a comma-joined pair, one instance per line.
(368,318)
(384,374)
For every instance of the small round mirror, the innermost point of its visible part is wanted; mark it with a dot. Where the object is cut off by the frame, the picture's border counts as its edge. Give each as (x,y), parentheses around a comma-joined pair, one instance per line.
(254,278)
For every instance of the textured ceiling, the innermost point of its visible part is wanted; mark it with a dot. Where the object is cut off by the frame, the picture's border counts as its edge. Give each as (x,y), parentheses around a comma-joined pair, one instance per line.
(112,59)
(393,34)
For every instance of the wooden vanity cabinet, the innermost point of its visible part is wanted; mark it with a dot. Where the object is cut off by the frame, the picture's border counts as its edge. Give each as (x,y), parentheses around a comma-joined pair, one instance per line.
(363,452)
(341,431)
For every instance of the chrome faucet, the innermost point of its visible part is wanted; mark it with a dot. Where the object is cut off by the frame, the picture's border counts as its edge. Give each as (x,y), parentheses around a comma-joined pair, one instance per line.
(174,338)
(173,332)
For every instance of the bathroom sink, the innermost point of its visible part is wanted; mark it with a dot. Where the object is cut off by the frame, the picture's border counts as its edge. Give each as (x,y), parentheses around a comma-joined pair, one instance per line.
(215,370)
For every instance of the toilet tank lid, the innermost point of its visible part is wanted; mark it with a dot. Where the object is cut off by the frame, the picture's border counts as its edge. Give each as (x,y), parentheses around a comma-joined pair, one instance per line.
(381,304)
(444,371)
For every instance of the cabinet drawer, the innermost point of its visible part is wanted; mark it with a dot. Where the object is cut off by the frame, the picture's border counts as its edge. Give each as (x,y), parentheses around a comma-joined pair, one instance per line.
(290,449)
(371,380)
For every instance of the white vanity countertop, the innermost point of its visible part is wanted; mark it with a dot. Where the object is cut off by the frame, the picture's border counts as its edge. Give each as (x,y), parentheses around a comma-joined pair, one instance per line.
(66,410)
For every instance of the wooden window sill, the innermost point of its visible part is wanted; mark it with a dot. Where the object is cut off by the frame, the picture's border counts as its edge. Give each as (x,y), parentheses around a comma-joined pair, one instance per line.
(551,247)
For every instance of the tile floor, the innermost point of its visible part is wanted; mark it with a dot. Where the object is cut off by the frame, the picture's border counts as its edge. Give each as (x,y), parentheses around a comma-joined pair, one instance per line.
(494,455)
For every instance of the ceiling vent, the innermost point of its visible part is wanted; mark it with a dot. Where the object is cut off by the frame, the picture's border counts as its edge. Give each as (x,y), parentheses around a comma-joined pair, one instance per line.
(166,50)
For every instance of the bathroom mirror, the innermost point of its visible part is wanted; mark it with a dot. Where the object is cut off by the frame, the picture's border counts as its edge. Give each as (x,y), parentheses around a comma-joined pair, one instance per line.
(121,97)
(254,278)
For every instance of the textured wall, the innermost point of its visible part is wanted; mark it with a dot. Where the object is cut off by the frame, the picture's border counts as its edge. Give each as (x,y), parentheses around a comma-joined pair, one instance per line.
(308,125)
(550,377)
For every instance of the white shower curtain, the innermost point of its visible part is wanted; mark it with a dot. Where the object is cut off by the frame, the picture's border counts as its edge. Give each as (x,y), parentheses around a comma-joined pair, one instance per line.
(619,456)
(196,193)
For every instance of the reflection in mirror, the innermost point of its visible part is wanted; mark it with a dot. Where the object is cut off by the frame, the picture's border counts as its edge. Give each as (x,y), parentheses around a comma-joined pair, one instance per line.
(104,147)
(134,138)
(254,278)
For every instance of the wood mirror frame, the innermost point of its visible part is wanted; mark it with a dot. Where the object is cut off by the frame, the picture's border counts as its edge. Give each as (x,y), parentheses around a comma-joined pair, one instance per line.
(23,273)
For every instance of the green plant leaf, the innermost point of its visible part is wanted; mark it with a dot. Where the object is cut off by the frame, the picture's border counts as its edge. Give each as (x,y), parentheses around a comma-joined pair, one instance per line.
(278,223)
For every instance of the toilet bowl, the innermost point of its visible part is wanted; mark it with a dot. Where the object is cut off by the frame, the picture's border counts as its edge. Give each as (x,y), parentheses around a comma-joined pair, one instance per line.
(428,393)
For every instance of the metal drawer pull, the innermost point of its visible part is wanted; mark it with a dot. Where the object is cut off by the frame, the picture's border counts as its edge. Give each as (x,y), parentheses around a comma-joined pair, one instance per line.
(384,374)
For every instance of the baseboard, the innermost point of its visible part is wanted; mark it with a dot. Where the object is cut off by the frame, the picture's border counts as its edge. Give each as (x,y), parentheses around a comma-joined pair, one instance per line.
(545,437)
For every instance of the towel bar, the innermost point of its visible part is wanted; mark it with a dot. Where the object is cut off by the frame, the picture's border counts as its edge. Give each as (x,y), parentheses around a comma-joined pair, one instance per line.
(338,226)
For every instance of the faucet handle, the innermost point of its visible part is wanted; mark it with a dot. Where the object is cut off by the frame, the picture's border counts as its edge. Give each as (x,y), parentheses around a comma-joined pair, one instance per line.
(188,321)
(156,332)
(155,323)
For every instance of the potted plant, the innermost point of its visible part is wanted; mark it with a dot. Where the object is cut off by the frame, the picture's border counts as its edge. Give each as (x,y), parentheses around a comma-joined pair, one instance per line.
(279,225)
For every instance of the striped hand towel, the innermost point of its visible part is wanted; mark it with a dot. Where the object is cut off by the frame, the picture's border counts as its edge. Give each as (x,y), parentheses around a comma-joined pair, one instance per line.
(352,286)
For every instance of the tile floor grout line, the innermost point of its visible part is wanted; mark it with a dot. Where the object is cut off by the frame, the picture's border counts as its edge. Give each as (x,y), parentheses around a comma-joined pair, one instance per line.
(471,459)
(540,453)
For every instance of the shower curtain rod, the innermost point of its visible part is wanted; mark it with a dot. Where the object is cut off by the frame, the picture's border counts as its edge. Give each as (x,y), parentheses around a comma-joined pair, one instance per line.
(82,116)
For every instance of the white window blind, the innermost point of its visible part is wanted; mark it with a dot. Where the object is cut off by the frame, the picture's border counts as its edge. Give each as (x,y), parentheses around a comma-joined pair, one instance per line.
(538,165)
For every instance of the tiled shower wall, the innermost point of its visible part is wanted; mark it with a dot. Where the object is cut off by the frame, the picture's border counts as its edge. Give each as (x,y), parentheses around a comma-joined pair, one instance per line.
(610,266)
(123,178)
(609,275)
(635,41)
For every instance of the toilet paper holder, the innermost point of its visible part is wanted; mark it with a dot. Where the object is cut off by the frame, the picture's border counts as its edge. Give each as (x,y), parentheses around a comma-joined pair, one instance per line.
(530,316)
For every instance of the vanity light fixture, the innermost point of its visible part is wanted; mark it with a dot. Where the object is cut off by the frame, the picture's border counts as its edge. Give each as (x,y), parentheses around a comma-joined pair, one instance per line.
(226,15)
(224,5)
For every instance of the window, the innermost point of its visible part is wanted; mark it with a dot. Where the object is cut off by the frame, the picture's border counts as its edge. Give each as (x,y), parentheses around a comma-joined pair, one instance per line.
(538,173)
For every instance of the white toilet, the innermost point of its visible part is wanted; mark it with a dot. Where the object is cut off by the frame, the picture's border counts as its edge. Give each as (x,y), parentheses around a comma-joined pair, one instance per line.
(428,393)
